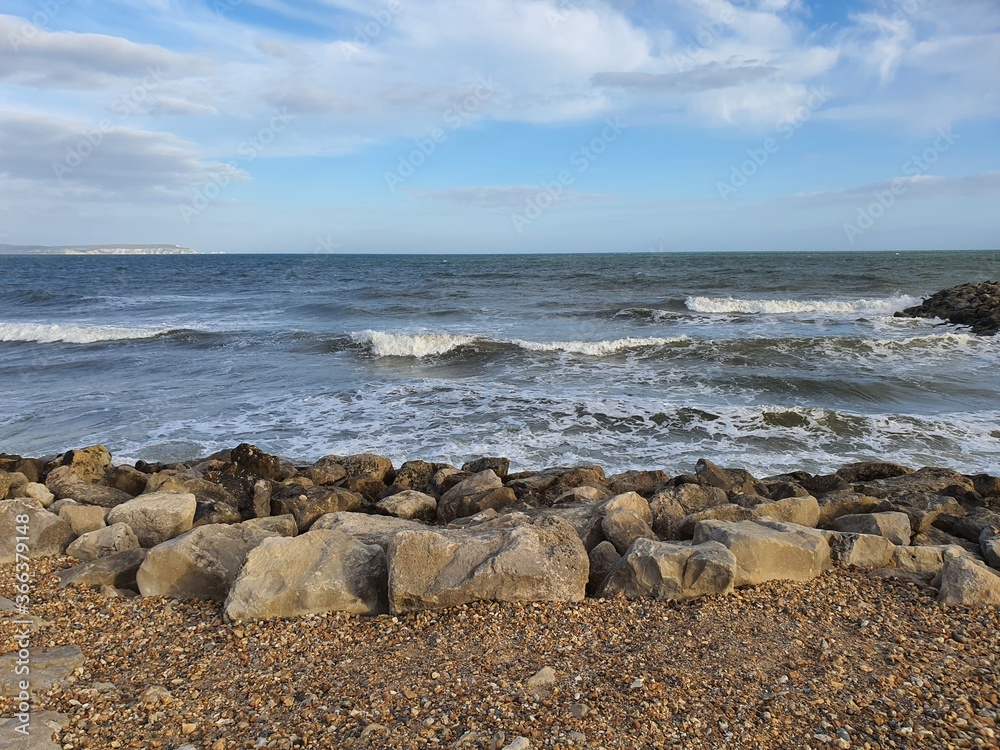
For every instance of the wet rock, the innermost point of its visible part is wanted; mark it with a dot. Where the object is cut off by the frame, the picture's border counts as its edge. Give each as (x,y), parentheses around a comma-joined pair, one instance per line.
(975,305)
(211,512)
(103,542)
(156,517)
(258,463)
(414,475)
(665,571)
(308,504)
(868,471)
(825,484)
(328,470)
(322,571)
(543,561)
(730,480)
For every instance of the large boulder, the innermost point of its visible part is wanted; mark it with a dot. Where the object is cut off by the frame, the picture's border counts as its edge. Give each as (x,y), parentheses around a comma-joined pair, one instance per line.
(409,504)
(665,571)
(103,542)
(47,534)
(201,564)
(322,571)
(474,495)
(645,483)
(65,482)
(157,516)
(867,471)
(128,479)
(893,526)
(971,527)
(543,561)
(769,550)
(497,464)
(368,465)
(692,498)
(989,541)
(729,480)
(378,530)
(922,560)
(967,582)
(603,559)
(89,464)
(845,503)
(83,518)
(923,508)
(860,550)
(307,504)
(257,462)
(798,509)
(118,570)
(623,526)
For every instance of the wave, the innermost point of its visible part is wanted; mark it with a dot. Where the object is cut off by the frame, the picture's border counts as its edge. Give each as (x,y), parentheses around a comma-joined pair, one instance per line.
(879,306)
(45,333)
(418,345)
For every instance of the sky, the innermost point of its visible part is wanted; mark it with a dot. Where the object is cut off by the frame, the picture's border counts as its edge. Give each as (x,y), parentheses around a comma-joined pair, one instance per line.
(459,126)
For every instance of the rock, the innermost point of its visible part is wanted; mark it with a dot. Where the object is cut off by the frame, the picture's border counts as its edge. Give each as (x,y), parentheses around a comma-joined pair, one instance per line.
(934,537)
(48,535)
(39,492)
(967,582)
(370,488)
(323,571)
(622,526)
(928,481)
(802,510)
(986,485)
(729,512)
(543,679)
(922,560)
(564,480)
(210,512)
(603,558)
(414,475)
(499,466)
(769,550)
(445,478)
(691,497)
(102,542)
(779,489)
(824,484)
(668,514)
(157,516)
(369,465)
(328,470)
(118,570)
(44,724)
(91,494)
(367,529)
(922,508)
(975,305)
(582,495)
(473,495)
(585,517)
(729,480)
(519,743)
(89,464)
(860,550)
(645,483)
(409,504)
(201,564)
(280,525)
(128,480)
(5,484)
(49,666)
(261,503)
(837,504)
(868,471)
(258,463)
(893,526)
(542,561)
(989,541)
(83,518)
(971,527)
(307,504)
(631,501)
(665,571)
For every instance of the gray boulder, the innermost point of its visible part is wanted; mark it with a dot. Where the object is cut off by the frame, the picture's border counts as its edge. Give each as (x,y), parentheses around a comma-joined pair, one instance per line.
(118,570)
(967,582)
(860,550)
(603,558)
(474,495)
(409,504)
(156,516)
(543,561)
(892,525)
(83,518)
(322,571)
(102,542)
(201,564)
(367,529)
(989,541)
(769,550)
(665,571)
(844,503)
(923,508)
(48,535)
(922,560)
(622,526)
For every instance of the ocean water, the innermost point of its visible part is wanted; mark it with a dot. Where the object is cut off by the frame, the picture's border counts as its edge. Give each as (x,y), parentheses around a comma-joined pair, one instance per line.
(767,361)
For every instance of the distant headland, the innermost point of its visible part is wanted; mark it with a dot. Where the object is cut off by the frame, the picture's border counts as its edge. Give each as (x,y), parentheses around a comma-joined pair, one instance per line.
(95,250)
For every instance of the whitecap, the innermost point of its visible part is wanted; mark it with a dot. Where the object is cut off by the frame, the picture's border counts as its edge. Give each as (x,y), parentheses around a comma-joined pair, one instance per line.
(881,306)
(53,333)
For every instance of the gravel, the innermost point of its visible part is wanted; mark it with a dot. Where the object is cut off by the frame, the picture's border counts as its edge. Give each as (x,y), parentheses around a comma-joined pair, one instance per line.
(846,660)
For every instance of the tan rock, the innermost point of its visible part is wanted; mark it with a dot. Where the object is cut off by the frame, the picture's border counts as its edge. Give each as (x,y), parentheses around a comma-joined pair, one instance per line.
(156,516)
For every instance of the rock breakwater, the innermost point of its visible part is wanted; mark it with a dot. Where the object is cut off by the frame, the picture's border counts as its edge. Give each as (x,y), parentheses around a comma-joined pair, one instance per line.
(974,305)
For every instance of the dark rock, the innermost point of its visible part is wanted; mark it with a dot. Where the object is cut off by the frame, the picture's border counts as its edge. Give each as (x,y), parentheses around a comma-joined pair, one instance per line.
(645,483)
(730,480)
(603,559)
(93,494)
(580,476)
(474,495)
(975,305)
(116,570)
(923,508)
(369,465)
(32,468)
(983,484)
(369,487)
(327,470)
(307,504)
(499,466)
(779,490)
(868,471)
(210,511)
(414,475)
(971,526)
(824,484)
(257,462)
(127,479)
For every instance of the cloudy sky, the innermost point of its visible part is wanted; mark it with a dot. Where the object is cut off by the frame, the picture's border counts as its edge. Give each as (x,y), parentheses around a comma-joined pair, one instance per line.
(501,125)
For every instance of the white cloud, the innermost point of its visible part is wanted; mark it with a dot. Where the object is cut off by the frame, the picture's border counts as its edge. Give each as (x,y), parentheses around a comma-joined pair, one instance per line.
(499,196)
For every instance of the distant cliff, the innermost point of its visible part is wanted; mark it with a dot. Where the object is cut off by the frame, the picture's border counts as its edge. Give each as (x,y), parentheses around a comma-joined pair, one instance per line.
(95,250)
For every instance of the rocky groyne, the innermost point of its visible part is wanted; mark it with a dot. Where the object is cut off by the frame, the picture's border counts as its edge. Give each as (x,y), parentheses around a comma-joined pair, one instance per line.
(974,305)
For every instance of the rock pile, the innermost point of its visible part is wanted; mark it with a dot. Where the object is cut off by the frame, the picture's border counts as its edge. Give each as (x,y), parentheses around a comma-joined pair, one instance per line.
(975,305)
(355,534)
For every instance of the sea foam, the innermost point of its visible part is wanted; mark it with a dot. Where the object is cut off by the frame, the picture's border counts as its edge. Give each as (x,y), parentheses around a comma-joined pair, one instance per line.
(50,333)
(880,306)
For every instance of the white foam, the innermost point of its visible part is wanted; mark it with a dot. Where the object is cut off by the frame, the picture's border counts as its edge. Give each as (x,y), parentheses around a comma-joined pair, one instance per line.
(50,333)
(881,306)
(384,344)
(418,345)
(598,348)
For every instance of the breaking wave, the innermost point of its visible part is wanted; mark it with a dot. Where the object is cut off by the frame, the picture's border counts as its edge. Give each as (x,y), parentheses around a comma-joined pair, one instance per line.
(45,333)
(882,306)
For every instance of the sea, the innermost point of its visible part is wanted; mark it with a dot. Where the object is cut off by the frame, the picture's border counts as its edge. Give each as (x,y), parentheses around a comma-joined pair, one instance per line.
(767,361)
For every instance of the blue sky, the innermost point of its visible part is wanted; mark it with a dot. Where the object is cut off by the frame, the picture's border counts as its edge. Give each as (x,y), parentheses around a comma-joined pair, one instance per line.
(501,125)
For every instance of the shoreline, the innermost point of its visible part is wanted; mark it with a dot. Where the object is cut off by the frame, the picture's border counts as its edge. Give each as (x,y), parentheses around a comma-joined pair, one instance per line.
(242,601)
